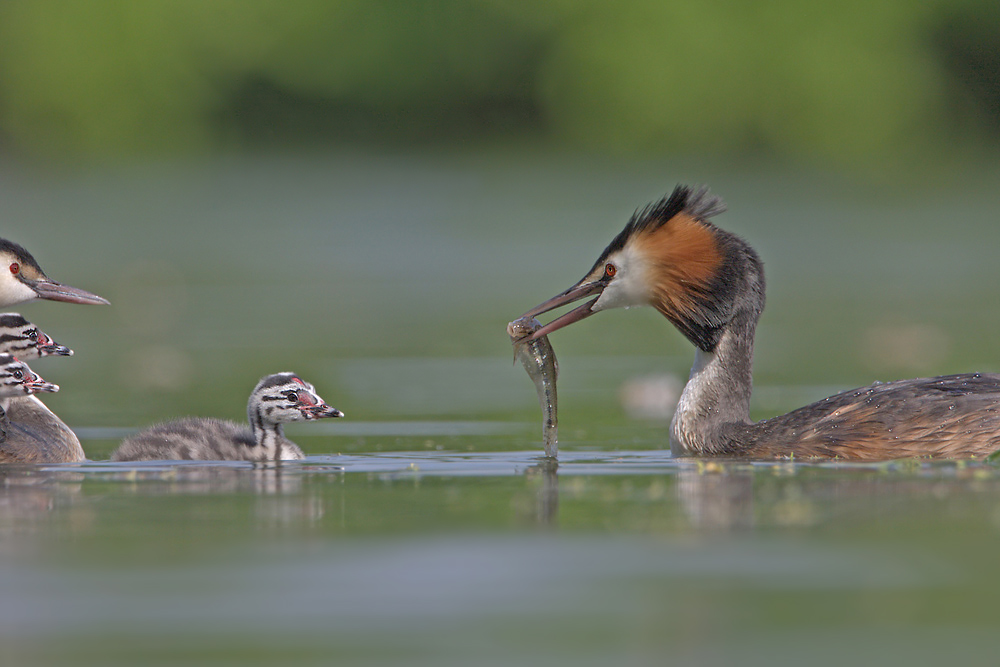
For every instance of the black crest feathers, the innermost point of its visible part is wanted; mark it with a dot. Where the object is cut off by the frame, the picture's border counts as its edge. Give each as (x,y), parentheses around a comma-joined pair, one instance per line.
(20,253)
(699,203)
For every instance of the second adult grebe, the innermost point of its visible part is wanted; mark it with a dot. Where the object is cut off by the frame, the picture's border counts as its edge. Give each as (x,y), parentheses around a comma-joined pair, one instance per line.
(710,284)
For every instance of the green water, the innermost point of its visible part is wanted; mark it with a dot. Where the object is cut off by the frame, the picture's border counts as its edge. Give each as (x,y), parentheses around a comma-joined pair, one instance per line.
(423,529)
(458,558)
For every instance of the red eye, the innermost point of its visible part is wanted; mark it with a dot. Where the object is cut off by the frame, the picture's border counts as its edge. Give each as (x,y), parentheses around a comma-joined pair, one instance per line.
(15,268)
(610,270)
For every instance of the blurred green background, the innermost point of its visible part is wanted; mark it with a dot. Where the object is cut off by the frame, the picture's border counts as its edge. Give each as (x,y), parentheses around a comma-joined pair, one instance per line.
(845,82)
(367,191)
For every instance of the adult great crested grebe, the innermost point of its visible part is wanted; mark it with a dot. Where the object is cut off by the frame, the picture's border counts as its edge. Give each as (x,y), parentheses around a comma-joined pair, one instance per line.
(710,284)
(21,279)
(34,433)
(277,399)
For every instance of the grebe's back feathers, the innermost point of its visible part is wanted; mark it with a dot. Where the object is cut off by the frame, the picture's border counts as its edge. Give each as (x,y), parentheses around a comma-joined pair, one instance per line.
(951,416)
(36,435)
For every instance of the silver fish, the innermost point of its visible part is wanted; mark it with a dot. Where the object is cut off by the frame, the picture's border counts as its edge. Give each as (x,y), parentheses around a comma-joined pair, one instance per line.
(539,360)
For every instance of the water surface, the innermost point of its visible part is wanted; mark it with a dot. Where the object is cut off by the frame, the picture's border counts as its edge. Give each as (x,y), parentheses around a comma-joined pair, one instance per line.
(489,558)
(426,528)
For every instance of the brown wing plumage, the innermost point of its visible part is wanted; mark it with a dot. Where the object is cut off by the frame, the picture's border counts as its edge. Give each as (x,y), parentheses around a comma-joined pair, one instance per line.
(952,416)
(36,435)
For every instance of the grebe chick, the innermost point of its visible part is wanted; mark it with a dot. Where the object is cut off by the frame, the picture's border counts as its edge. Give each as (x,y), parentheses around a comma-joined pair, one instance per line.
(24,340)
(710,284)
(277,399)
(17,380)
(33,429)
(21,279)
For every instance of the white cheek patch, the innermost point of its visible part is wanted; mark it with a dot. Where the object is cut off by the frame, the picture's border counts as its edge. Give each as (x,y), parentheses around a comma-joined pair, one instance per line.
(14,291)
(629,287)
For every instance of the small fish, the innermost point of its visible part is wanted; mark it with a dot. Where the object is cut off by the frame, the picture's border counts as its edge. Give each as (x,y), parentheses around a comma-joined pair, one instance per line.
(539,360)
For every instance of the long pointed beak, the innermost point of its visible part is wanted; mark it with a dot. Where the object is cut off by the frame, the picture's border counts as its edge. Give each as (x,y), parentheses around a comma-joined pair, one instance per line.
(49,289)
(574,293)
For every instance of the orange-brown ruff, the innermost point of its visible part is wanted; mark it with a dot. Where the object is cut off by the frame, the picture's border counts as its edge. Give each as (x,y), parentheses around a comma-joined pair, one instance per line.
(710,284)
(685,259)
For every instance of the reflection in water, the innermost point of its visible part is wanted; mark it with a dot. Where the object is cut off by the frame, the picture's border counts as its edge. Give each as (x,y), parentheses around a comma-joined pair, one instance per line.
(167,479)
(739,495)
(547,494)
(715,496)
(280,492)
(29,501)
(630,491)
(52,501)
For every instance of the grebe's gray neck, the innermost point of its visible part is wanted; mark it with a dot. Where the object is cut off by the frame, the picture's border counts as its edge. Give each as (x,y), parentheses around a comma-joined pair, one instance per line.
(269,436)
(271,441)
(716,397)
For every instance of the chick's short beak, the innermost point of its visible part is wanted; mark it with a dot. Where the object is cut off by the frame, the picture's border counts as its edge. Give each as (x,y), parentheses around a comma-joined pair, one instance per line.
(35,384)
(48,347)
(322,411)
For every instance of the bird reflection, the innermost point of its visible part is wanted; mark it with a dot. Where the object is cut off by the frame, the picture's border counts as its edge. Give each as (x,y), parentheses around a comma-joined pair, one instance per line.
(279,489)
(547,493)
(29,501)
(716,497)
